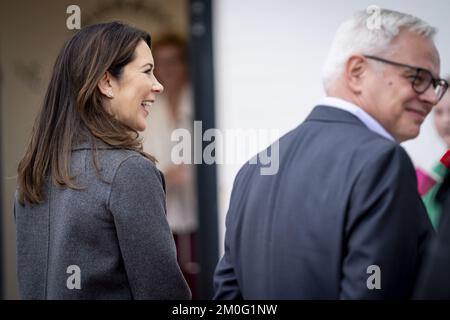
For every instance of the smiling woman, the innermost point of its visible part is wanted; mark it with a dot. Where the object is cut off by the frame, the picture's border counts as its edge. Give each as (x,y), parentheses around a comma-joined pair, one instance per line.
(89,199)
(132,92)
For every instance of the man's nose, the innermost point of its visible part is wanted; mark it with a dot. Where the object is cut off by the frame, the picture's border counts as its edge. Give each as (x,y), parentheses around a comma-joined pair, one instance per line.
(430,96)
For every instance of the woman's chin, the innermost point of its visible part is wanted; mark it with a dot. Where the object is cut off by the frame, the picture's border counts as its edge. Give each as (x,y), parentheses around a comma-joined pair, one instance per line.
(140,127)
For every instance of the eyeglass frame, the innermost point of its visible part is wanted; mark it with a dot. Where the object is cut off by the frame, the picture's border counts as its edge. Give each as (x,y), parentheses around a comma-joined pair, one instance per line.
(434,81)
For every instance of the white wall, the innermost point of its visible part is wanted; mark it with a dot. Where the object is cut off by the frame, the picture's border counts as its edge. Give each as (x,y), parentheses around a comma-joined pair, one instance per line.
(268,62)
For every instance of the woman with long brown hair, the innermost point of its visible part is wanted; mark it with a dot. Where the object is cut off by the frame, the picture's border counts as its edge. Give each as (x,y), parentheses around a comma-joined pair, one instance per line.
(90,205)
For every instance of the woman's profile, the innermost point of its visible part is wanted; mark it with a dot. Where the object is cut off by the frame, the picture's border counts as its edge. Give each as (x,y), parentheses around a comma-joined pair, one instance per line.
(90,205)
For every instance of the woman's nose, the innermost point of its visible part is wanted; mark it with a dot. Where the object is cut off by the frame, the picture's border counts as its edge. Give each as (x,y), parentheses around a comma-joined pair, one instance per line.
(157,87)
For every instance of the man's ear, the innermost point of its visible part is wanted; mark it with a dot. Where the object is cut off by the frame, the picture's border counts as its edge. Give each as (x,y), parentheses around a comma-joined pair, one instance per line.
(104,85)
(355,69)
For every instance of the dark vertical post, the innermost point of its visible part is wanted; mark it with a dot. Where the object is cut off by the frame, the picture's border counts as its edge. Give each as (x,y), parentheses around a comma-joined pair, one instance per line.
(2,289)
(202,73)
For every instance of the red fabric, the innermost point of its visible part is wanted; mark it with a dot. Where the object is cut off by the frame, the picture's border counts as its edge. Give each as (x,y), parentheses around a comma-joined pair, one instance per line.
(424,181)
(446,159)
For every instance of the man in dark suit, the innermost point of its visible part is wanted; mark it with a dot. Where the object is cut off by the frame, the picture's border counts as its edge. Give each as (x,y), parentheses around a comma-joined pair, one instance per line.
(342,217)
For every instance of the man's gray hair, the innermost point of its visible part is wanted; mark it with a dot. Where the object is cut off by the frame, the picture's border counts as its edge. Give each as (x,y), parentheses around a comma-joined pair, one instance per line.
(369,32)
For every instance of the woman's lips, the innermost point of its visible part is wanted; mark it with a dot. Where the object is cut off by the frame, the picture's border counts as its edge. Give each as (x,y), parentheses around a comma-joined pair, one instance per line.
(145,105)
(144,111)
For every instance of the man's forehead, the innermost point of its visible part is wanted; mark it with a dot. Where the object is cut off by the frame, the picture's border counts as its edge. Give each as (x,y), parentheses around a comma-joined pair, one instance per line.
(416,50)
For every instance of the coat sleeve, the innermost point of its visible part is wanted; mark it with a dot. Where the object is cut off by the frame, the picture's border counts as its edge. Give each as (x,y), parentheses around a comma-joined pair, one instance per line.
(137,203)
(387,230)
(226,286)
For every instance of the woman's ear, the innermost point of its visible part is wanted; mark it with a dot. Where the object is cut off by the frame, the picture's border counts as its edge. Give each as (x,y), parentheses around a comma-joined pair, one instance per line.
(105,86)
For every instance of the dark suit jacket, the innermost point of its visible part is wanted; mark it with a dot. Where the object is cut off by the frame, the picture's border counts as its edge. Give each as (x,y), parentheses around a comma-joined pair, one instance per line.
(344,199)
(435,274)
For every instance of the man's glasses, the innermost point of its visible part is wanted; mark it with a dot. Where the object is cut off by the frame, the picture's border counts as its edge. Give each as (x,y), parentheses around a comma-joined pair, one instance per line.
(422,80)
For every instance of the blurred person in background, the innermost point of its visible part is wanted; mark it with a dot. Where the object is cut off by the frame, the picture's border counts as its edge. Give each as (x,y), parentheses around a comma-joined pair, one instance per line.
(430,183)
(174,110)
(434,281)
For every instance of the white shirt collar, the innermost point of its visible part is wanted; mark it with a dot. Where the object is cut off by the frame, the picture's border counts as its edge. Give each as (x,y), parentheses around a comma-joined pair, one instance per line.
(357,111)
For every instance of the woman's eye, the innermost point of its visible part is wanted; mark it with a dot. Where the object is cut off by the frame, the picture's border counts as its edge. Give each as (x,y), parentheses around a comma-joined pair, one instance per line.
(149,71)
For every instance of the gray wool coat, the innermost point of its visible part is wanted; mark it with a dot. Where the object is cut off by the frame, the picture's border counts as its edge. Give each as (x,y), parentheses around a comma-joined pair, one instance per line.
(108,241)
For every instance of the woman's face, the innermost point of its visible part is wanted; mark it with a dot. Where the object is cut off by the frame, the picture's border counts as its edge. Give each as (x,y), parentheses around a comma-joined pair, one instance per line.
(136,89)
(442,118)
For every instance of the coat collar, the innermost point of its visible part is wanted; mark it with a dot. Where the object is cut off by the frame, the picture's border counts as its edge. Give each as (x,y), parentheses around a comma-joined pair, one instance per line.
(331,114)
(94,144)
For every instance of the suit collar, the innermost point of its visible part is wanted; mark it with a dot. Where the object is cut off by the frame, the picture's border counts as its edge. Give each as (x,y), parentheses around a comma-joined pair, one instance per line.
(332,114)
(349,114)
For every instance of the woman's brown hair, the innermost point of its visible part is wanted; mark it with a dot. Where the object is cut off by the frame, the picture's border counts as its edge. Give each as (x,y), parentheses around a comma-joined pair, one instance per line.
(72,110)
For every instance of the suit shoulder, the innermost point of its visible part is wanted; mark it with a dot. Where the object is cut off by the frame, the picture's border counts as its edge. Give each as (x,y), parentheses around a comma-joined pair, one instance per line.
(375,146)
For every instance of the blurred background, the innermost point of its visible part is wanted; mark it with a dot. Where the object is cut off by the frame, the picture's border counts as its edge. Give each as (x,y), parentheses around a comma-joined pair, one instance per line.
(250,65)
